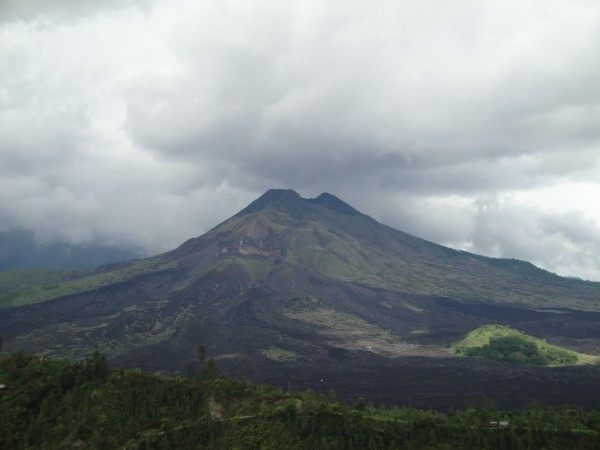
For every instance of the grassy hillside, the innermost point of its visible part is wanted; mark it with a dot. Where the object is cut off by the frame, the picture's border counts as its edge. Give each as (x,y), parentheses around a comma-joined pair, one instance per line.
(22,286)
(28,286)
(57,404)
(505,344)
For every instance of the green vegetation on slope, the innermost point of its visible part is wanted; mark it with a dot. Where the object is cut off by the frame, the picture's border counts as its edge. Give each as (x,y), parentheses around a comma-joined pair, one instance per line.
(505,344)
(17,286)
(57,404)
(27,286)
(355,248)
(279,354)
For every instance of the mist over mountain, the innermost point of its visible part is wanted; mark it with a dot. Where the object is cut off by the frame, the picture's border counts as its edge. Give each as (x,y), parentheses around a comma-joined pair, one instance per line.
(19,249)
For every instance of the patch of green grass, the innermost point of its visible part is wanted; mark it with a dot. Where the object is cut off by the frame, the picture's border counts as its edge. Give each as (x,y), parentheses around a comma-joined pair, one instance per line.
(256,267)
(16,286)
(19,277)
(347,330)
(502,343)
(330,319)
(279,354)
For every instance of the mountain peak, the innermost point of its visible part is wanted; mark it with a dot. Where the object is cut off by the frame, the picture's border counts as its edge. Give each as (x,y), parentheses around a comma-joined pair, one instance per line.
(280,194)
(273,196)
(332,202)
(290,200)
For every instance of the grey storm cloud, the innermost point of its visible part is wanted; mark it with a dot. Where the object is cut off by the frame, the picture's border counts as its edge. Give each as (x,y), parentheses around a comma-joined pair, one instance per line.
(143,123)
(11,10)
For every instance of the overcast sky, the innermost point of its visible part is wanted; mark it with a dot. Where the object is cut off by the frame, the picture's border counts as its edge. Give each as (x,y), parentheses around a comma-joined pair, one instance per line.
(475,124)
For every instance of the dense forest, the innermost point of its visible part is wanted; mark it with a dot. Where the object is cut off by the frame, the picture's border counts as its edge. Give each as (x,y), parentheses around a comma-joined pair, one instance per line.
(61,404)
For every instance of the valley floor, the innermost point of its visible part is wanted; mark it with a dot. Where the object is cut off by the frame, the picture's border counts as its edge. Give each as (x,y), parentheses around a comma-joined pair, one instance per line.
(436,383)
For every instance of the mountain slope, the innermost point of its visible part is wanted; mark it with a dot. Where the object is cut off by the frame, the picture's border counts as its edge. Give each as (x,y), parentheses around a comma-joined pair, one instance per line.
(313,280)
(329,238)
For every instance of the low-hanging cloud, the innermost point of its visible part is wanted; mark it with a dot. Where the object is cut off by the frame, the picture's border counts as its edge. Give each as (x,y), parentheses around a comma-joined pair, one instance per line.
(144,123)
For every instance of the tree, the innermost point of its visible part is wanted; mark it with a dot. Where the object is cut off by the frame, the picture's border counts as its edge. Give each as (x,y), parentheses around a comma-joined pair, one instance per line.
(360,404)
(201,352)
(209,371)
(190,372)
(97,366)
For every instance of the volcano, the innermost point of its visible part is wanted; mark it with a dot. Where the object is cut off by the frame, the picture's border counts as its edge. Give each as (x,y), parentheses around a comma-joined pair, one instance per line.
(313,293)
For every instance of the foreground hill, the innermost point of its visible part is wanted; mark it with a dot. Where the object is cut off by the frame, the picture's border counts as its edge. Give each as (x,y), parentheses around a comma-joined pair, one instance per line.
(502,343)
(290,289)
(55,404)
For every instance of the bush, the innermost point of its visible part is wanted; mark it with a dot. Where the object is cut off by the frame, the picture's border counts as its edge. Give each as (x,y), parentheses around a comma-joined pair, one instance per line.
(520,350)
